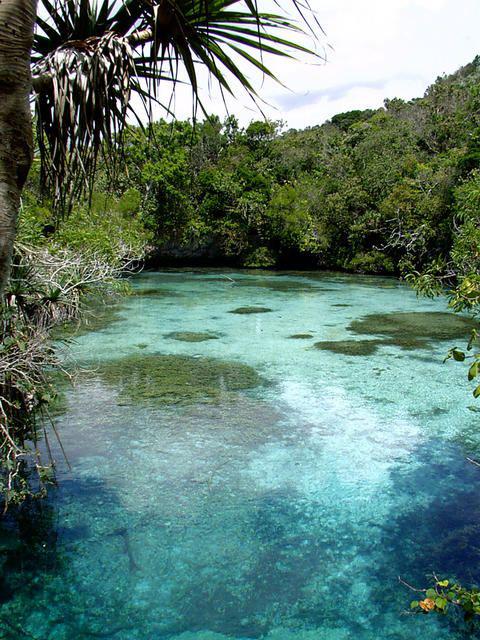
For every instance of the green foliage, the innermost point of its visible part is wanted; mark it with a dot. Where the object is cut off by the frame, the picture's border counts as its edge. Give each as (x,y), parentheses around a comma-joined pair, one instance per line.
(467,198)
(446,594)
(259,134)
(345,120)
(380,148)
(465,253)
(472,359)
(371,262)
(290,218)
(465,296)
(108,227)
(383,191)
(260,258)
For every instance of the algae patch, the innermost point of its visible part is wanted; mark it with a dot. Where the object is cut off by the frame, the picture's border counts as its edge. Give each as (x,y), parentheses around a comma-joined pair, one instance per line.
(190,336)
(247,310)
(155,292)
(414,329)
(408,331)
(171,379)
(350,347)
(407,343)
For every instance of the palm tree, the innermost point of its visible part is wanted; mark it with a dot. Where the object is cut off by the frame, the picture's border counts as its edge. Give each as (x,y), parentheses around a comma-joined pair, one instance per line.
(87,59)
(17,20)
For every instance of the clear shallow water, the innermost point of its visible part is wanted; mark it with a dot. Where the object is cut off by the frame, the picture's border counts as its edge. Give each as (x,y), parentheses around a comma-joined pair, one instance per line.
(282,510)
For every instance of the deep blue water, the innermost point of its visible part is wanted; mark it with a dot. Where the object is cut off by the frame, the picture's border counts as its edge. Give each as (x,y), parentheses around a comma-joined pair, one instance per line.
(283,505)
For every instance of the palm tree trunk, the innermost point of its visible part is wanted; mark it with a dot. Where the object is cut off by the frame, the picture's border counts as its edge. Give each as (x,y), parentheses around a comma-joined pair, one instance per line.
(17,21)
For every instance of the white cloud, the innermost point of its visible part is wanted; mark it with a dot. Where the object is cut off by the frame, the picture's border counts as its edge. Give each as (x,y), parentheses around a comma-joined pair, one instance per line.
(381,48)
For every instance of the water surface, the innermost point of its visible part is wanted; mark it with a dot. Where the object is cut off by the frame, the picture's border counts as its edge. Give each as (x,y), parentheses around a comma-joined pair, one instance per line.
(266,473)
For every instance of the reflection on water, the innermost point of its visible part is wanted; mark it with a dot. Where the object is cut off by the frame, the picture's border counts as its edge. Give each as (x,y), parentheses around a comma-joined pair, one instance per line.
(252,485)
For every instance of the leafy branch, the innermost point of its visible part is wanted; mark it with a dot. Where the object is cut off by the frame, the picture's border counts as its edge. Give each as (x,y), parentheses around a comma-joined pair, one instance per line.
(460,356)
(444,594)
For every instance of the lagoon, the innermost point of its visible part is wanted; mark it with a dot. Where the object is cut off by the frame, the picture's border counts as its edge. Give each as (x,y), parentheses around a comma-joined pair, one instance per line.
(255,455)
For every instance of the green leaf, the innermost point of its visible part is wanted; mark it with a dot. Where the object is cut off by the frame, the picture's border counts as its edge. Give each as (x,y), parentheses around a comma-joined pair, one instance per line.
(476,392)
(443,583)
(440,603)
(458,355)
(473,371)
(431,593)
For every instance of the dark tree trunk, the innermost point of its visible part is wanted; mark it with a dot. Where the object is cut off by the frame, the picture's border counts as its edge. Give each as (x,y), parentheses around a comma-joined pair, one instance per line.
(17,21)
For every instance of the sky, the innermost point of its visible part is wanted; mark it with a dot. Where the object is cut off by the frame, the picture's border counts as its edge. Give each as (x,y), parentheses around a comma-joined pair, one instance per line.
(375,49)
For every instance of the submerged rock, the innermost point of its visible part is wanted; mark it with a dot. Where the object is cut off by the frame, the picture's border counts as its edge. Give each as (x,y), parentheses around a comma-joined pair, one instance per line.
(350,347)
(247,310)
(190,336)
(170,379)
(414,329)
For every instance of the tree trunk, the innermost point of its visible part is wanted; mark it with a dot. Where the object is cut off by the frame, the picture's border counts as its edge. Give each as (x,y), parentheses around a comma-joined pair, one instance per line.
(17,21)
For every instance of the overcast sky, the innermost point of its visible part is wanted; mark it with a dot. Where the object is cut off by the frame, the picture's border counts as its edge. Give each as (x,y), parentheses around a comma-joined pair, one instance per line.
(375,49)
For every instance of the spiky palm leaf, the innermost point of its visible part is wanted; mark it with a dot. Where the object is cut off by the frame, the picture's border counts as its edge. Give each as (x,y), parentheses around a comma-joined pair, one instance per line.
(85,103)
(89,57)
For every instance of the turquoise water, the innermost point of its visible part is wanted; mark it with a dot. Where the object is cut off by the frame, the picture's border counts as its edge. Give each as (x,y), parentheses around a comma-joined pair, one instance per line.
(278,495)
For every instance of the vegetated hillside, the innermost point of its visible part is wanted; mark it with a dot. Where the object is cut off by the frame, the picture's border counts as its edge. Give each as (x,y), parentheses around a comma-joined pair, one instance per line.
(382,191)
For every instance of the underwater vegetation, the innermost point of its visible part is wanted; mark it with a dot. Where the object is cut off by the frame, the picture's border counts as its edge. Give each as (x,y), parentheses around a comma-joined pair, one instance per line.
(350,347)
(155,292)
(301,336)
(171,379)
(423,326)
(247,310)
(408,331)
(191,336)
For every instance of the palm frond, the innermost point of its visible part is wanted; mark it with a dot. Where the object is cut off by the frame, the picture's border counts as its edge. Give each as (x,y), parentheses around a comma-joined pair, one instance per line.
(89,55)
(84,105)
